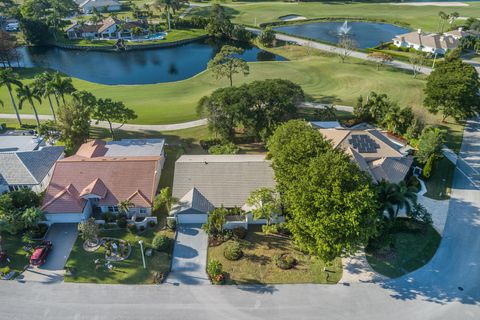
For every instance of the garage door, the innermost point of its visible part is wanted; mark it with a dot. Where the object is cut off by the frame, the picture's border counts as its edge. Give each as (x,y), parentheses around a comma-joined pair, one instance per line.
(192,218)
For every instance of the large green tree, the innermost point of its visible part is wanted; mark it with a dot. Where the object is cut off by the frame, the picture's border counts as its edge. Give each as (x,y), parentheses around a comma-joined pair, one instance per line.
(430,144)
(265,204)
(113,111)
(219,24)
(226,63)
(452,89)
(74,124)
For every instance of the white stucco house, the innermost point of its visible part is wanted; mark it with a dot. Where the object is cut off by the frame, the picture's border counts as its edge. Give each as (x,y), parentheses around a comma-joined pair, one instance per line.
(427,42)
(88,6)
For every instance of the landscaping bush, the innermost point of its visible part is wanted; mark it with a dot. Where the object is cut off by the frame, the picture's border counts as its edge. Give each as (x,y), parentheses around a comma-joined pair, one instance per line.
(284,261)
(227,148)
(152,224)
(161,243)
(215,271)
(427,169)
(270,229)
(171,224)
(239,232)
(141,229)
(131,227)
(108,217)
(233,251)
(414,183)
(39,231)
(122,222)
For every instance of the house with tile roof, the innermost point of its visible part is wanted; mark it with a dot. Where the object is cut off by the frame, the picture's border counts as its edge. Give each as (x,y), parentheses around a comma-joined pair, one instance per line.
(109,29)
(204,182)
(374,153)
(88,6)
(28,169)
(433,43)
(102,175)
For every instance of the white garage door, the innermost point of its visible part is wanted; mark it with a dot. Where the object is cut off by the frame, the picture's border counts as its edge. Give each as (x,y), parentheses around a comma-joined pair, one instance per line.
(64,217)
(192,218)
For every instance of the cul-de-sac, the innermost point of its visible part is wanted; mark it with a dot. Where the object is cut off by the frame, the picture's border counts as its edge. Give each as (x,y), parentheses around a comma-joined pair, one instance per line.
(239,159)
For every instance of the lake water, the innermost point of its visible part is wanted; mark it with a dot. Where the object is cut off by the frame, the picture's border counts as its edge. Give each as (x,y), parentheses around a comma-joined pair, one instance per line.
(366,34)
(136,66)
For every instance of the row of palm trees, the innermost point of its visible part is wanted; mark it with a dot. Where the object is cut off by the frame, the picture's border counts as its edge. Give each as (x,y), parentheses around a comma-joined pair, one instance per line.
(45,86)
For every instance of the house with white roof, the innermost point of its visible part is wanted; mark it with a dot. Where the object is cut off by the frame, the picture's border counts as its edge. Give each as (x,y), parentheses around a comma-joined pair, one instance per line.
(427,42)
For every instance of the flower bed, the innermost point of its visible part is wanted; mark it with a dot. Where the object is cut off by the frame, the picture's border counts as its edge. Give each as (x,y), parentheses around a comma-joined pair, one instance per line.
(116,249)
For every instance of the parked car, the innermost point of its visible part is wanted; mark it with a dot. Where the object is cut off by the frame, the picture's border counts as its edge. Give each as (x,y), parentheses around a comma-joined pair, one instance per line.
(40,253)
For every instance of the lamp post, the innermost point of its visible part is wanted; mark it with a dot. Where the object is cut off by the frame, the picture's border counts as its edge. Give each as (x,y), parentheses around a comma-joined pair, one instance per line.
(143,256)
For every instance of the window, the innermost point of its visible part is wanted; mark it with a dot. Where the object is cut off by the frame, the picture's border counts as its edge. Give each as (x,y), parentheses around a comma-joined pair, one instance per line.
(143,210)
(113,209)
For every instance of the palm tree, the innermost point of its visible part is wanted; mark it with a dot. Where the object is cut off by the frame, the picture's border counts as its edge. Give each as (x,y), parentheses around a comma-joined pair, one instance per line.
(9,79)
(27,93)
(125,206)
(169,5)
(43,86)
(387,197)
(406,198)
(61,86)
(443,16)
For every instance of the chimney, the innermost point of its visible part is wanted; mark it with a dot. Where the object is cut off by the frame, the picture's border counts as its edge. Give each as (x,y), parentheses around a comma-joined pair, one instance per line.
(442,38)
(460,29)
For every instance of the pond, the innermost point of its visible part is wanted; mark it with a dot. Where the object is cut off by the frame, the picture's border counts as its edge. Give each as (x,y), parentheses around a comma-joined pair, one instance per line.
(366,34)
(136,66)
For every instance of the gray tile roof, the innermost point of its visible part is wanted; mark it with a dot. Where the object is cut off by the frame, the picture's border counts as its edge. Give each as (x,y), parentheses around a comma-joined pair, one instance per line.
(16,143)
(28,167)
(222,179)
(135,147)
(193,200)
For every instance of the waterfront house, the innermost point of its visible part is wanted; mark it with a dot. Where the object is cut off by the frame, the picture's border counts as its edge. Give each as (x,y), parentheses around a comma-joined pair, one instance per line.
(427,42)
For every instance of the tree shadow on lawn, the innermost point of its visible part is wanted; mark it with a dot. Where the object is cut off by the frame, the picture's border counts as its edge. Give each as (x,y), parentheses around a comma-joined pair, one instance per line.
(443,280)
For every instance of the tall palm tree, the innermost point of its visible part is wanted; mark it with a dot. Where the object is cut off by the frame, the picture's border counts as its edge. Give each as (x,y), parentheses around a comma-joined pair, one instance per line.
(9,79)
(43,86)
(27,93)
(62,86)
(169,5)
(442,17)
(387,197)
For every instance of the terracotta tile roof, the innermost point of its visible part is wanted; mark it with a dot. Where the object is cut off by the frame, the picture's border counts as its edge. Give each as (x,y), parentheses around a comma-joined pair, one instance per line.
(107,23)
(94,148)
(134,178)
(97,187)
(67,200)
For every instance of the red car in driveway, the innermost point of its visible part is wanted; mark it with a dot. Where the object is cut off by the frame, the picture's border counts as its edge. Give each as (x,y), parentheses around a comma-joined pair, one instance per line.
(40,253)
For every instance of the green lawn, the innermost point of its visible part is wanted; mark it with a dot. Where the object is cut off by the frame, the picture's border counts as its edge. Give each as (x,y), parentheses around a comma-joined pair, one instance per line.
(440,182)
(256,266)
(425,17)
(19,258)
(412,250)
(130,271)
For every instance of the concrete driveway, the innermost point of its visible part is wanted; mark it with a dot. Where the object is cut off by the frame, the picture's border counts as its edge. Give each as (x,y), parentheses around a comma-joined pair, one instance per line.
(63,237)
(189,256)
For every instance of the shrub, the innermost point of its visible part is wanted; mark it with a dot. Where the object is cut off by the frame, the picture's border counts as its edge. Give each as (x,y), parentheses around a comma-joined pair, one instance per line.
(152,224)
(427,169)
(284,261)
(131,227)
(215,271)
(233,251)
(160,243)
(122,222)
(239,232)
(227,148)
(270,229)
(171,224)
(108,217)
(5,270)
(414,183)
(141,229)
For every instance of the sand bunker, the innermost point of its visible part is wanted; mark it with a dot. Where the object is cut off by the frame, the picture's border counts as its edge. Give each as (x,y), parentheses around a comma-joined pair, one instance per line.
(292,17)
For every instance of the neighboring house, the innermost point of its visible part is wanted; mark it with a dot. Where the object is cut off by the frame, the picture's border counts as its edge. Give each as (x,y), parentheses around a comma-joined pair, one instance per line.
(28,169)
(17,142)
(427,42)
(325,124)
(373,152)
(109,29)
(101,175)
(87,6)
(203,182)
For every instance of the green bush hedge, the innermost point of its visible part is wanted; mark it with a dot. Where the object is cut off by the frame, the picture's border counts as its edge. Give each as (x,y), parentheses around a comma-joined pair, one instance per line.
(161,243)
(233,251)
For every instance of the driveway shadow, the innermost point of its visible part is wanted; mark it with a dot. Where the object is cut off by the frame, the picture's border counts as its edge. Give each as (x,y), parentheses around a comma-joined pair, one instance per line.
(184,252)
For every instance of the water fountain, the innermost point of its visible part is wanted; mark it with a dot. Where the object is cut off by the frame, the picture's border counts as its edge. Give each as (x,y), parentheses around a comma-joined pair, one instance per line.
(344,29)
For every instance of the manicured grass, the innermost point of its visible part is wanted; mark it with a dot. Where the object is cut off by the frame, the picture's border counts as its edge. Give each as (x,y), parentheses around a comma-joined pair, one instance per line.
(440,182)
(173,35)
(425,17)
(130,271)
(256,266)
(19,258)
(412,250)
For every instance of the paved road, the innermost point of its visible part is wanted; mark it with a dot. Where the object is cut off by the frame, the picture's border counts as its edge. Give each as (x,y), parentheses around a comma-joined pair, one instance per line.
(189,256)
(63,237)
(448,287)
(126,127)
